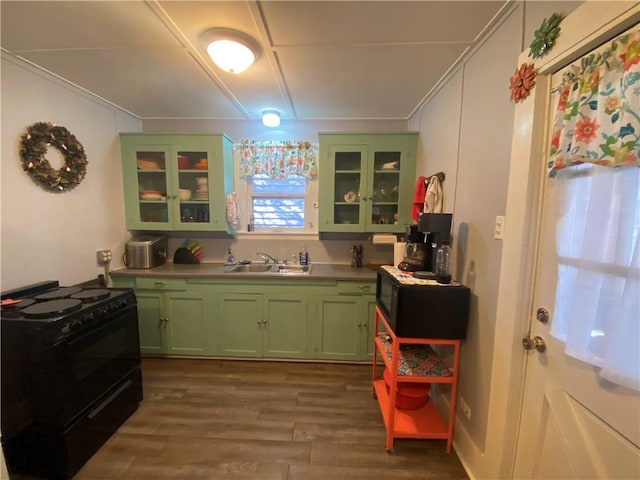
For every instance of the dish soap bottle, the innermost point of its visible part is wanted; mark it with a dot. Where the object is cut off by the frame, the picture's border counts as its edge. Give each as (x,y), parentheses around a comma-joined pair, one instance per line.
(230,260)
(303,256)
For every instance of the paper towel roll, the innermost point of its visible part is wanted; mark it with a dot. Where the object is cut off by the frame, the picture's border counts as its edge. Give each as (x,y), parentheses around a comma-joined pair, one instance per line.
(384,239)
(398,252)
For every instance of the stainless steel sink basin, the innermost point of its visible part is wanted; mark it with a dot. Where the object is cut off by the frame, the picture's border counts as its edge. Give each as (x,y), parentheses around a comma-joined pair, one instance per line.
(251,268)
(279,269)
(292,269)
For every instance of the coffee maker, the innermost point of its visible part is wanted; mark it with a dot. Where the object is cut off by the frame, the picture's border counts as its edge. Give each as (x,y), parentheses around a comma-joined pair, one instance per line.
(415,250)
(436,228)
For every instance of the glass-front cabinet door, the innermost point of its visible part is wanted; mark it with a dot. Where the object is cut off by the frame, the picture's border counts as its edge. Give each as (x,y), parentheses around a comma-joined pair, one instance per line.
(176,182)
(193,198)
(366,182)
(385,188)
(151,202)
(347,204)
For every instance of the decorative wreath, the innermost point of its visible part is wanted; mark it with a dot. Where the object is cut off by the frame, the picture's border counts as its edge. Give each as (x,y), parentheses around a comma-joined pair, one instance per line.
(545,36)
(522,82)
(33,147)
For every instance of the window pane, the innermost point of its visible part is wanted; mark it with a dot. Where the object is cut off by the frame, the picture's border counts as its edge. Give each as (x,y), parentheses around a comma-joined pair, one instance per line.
(278,212)
(287,186)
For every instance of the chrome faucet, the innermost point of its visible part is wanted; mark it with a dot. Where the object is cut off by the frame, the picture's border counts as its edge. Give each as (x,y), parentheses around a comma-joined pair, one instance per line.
(267,258)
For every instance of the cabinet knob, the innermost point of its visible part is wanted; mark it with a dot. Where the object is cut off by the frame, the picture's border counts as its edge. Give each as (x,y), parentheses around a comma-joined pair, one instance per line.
(160,284)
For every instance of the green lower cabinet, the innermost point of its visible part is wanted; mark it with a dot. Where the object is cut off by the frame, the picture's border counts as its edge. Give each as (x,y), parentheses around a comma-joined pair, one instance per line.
(324,321)
(186,317)
(370,307)
(151,324)
(257,325)
(341,328)
(172,318)
(284,333)
(238,330)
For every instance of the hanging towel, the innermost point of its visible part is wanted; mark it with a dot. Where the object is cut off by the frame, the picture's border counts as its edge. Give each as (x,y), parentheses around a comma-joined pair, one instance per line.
(233,212)
(418,198)
(434,197)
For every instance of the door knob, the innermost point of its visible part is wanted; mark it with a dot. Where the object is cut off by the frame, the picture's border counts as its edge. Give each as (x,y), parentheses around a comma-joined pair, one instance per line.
(536,342)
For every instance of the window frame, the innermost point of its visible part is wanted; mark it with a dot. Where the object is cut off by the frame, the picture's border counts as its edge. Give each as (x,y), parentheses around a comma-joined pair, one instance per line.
(244,189)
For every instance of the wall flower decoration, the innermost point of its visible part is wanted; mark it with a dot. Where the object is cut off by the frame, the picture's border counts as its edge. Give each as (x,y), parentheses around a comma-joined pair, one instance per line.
(523,81)
(545,36)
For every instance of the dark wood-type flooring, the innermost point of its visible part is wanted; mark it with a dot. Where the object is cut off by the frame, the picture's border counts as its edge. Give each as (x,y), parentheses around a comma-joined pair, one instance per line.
(225,419)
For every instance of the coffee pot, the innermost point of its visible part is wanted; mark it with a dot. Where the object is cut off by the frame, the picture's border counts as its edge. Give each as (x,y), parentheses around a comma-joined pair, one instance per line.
(415,250)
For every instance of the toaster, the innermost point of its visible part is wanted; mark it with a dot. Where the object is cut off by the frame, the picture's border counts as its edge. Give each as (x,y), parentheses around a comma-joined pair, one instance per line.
(145,252)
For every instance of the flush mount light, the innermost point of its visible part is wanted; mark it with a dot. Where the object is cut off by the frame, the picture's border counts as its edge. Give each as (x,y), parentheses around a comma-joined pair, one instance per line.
(270,118)
(231,50)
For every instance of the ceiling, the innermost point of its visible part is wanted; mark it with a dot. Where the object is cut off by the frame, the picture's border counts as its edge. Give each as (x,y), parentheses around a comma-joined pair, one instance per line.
(320,60)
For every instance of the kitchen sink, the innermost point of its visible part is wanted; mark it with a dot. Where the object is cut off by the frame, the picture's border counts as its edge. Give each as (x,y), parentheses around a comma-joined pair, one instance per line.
(250,268)
(292,269)
(277,269)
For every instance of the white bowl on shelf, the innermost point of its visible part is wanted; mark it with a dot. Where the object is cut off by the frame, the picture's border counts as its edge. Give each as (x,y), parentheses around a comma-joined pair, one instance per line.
(184,194)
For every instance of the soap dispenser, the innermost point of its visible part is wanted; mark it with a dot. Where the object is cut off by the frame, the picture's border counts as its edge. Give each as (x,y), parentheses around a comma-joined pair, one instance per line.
(230,260)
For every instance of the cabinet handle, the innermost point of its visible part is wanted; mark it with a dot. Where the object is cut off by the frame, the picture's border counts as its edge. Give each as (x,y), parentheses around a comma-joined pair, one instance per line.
(160,284)
(366,288)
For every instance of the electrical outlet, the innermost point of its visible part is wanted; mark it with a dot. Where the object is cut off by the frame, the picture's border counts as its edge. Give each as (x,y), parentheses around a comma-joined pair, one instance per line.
(499,228)
(465,408)
(104,257)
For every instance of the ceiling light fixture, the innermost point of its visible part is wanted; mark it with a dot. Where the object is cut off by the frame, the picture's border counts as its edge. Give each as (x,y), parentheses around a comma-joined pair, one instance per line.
(231,50)
(271,118)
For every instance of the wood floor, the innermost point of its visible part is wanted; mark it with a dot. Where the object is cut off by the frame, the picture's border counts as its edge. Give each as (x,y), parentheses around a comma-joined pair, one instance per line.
(222,419)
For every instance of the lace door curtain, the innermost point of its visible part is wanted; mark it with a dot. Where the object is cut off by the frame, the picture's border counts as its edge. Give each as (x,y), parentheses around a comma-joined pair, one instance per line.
(277,160)
(596,127)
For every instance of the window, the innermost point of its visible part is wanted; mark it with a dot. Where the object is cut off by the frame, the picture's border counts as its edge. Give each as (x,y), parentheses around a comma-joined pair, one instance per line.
(596,311)
(277,186)
(278,203)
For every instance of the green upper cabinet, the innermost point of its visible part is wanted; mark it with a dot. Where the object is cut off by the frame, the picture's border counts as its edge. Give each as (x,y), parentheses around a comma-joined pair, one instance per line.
(176,182)
(366,181)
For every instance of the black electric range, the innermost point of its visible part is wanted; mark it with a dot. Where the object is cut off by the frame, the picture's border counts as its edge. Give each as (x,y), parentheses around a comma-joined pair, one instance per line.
(70,374)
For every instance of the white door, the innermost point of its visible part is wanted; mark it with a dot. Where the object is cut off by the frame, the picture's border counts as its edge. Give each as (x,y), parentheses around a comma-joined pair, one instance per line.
(574,424)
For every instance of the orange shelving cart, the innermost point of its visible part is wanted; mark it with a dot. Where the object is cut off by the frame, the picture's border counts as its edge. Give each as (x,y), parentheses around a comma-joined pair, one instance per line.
(413,360)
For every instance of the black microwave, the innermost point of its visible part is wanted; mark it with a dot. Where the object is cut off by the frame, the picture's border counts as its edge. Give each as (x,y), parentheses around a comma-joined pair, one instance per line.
(422,310)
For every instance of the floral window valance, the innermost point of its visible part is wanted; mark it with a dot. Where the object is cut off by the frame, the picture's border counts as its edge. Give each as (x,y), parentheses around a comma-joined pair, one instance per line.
(277,159)
(597,118)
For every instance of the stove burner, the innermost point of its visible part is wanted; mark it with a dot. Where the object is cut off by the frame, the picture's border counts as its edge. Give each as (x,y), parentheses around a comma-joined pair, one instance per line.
(53,308)
(91,295)
(15,310)
(57,294)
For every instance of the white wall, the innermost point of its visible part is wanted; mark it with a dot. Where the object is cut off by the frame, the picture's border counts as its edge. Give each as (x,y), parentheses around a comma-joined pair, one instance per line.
(466,131)
(55,236)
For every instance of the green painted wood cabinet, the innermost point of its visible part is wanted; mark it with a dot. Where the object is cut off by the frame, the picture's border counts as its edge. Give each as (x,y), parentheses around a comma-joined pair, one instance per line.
(343,326)
(265,325)
(366,181)
(171,320)
(324,320)
(176,182)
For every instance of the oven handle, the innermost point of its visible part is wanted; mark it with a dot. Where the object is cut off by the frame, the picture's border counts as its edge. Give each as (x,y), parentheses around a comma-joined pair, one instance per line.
(109,399)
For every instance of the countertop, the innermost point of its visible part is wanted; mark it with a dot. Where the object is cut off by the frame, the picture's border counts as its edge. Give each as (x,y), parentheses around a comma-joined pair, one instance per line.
(319,271)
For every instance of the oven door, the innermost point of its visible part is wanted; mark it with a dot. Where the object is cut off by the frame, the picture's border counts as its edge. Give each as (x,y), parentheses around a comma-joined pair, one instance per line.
(75,373)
